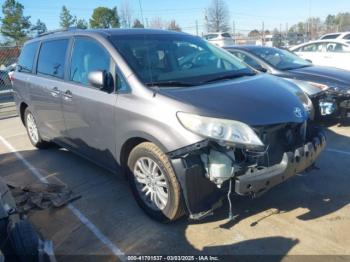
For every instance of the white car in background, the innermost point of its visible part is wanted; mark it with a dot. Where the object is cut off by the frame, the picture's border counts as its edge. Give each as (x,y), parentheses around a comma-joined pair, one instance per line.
(338,36)
(334,53)
(219,39)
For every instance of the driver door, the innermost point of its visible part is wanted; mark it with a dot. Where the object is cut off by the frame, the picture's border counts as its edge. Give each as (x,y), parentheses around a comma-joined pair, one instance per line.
(88,111)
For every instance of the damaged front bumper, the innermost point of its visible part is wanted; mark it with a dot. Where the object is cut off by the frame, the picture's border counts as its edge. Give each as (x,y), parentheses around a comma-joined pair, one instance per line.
(202,196)
(260,181)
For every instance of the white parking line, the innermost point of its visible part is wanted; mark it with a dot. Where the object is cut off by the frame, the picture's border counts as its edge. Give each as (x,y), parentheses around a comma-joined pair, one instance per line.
(16,135)
(338,151)
(93,228)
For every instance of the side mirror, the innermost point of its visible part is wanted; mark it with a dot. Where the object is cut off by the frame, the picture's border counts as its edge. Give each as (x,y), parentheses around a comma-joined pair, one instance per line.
(261,69)
(98,79)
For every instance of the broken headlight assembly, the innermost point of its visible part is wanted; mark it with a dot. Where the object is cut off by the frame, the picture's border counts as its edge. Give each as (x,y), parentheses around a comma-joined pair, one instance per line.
(222,130)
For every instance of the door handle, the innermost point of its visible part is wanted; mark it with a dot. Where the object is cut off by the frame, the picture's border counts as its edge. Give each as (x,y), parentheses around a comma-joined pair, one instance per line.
(55,92)
(68,95)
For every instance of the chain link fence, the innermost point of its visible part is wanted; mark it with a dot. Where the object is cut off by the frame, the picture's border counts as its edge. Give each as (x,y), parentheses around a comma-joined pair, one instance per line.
(8,59)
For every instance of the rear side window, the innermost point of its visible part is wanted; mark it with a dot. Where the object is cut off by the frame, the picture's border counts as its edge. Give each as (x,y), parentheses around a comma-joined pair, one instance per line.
(226,35)
(333,36)
(87,56)
(26,59)
(52,57)
(210,36)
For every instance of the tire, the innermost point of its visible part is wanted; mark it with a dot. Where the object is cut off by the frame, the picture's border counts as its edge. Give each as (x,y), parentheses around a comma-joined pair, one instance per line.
(25,241)
(167,212)
(30,124)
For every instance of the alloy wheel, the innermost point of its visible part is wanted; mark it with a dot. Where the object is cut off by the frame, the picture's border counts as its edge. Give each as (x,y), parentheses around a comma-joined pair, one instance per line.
(151,183)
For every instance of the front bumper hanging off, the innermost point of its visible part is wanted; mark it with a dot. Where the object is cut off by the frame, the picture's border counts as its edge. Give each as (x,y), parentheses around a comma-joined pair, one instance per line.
(260,181)
(202,196)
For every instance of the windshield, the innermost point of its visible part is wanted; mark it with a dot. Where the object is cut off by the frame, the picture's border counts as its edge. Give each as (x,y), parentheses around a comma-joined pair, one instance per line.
(177,59)
(280,59)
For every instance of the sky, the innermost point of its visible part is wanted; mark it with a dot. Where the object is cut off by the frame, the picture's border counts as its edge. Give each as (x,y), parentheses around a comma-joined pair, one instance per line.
(247,14)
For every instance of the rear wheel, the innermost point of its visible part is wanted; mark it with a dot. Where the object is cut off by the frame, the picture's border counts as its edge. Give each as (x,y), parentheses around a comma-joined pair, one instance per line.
(154,183)
(33,131)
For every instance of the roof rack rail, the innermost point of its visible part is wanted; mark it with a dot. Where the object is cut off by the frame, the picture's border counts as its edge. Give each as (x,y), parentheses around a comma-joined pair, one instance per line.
(58,31)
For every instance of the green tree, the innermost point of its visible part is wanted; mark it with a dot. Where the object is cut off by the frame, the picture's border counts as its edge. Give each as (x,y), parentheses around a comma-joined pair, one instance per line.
(82,24)
(174,26)
(66,19)
(343,21)
(14,24)
(39,27)
(331,21)
(103,17)
(254,33)
(138,24)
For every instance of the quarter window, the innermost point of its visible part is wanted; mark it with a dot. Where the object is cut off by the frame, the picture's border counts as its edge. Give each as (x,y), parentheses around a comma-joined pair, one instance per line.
(87,56)
(26,59)
(52,57)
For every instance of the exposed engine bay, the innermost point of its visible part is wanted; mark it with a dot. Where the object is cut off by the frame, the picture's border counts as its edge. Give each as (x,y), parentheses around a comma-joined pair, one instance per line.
(211,166)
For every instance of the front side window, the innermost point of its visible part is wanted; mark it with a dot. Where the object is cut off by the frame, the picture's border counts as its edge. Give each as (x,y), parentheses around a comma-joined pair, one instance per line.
(315,47)
(280,59)
(87,56)
(346,37)
(163,58)
(52,58)
(26,59)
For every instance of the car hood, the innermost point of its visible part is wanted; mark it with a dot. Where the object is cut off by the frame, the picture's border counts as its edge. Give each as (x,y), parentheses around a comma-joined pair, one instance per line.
(256,100)
(333,77)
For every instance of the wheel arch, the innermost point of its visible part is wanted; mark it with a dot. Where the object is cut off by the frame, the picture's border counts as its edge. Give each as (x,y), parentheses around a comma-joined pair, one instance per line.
(131,142)
(22,109)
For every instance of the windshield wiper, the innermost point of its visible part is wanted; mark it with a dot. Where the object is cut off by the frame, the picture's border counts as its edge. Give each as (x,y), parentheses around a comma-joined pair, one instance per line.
(227,77)
(292,68)
(170,83)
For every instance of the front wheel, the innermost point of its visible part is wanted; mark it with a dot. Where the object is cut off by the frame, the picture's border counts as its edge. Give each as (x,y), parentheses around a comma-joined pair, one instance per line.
(33,131)
(154,183)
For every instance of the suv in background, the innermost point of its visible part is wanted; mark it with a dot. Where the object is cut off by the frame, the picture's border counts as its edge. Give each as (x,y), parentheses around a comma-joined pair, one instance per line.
(219,39)
(187,121)
(338,36)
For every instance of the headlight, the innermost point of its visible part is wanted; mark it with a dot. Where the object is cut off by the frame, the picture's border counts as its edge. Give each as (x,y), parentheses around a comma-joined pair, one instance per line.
(220,129)
(322,87)
(310,88)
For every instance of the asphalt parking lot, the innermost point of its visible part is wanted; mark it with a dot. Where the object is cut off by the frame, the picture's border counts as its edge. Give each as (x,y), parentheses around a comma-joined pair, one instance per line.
(308,215)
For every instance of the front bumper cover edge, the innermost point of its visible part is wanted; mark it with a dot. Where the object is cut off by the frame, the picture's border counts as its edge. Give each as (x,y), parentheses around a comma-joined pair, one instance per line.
(258,182)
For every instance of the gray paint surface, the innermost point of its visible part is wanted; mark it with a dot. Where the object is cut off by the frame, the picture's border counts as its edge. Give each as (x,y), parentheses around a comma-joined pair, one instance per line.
(97,124)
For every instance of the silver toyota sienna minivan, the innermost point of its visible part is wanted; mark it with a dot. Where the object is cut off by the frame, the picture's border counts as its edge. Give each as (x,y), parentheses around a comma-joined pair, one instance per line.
(186,121)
